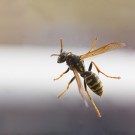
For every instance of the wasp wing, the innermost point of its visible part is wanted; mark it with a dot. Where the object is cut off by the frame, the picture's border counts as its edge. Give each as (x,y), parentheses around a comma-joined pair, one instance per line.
(103,49)
(80,86)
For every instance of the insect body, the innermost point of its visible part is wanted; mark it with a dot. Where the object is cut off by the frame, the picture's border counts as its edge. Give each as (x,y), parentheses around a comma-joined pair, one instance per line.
(76,64)
(91,79)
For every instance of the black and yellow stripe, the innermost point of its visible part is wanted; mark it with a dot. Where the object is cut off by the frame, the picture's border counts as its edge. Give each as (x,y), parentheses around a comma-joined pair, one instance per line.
(93,82)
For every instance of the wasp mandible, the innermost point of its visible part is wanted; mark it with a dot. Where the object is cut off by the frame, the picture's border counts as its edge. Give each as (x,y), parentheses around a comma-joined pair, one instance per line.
(76,64)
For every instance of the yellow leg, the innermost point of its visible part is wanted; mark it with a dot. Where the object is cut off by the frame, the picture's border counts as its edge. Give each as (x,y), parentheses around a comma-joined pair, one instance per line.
(93,103)
(66,88)
(61,75)
(115,77)
(91,48)
(93,44)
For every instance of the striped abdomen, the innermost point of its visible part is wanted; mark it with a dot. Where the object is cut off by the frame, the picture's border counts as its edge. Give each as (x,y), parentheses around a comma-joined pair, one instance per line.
(93,82)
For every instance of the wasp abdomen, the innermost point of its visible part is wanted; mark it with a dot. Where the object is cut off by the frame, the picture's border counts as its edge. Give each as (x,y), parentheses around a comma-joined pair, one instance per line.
(93,82)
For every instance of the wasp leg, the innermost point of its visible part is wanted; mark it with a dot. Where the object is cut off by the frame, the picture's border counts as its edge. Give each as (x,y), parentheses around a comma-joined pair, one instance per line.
(66,87)
(93,44)
(91,48)
(61,75)
(99,71)
(93,103)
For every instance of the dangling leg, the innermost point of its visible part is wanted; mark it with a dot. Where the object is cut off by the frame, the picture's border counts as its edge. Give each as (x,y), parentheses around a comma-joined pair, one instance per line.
(99,71)
(90,67)
(66,88)
(61,75)
(93,103)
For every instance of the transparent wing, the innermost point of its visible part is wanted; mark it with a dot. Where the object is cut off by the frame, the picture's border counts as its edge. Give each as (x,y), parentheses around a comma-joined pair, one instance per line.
(80,86)
(103,49)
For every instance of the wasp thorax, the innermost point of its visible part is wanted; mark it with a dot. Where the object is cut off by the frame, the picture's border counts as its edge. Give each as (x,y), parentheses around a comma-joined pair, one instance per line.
(62,57)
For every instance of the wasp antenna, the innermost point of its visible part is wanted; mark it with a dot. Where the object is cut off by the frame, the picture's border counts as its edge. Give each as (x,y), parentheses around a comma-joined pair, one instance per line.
(123,44)
(96,38)
(61,46)
(54,55)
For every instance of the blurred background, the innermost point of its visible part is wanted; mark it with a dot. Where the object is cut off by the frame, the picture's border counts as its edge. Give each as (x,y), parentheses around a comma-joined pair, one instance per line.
(29,33)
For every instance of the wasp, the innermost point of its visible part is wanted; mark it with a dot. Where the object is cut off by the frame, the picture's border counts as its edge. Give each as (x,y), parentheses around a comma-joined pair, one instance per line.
(76,64)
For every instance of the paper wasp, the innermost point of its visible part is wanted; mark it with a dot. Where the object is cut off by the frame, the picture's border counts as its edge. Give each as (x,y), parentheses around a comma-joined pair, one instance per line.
(76,64)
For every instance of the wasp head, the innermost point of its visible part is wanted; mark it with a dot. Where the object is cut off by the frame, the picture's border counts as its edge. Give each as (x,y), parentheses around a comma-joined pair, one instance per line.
(62,56)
